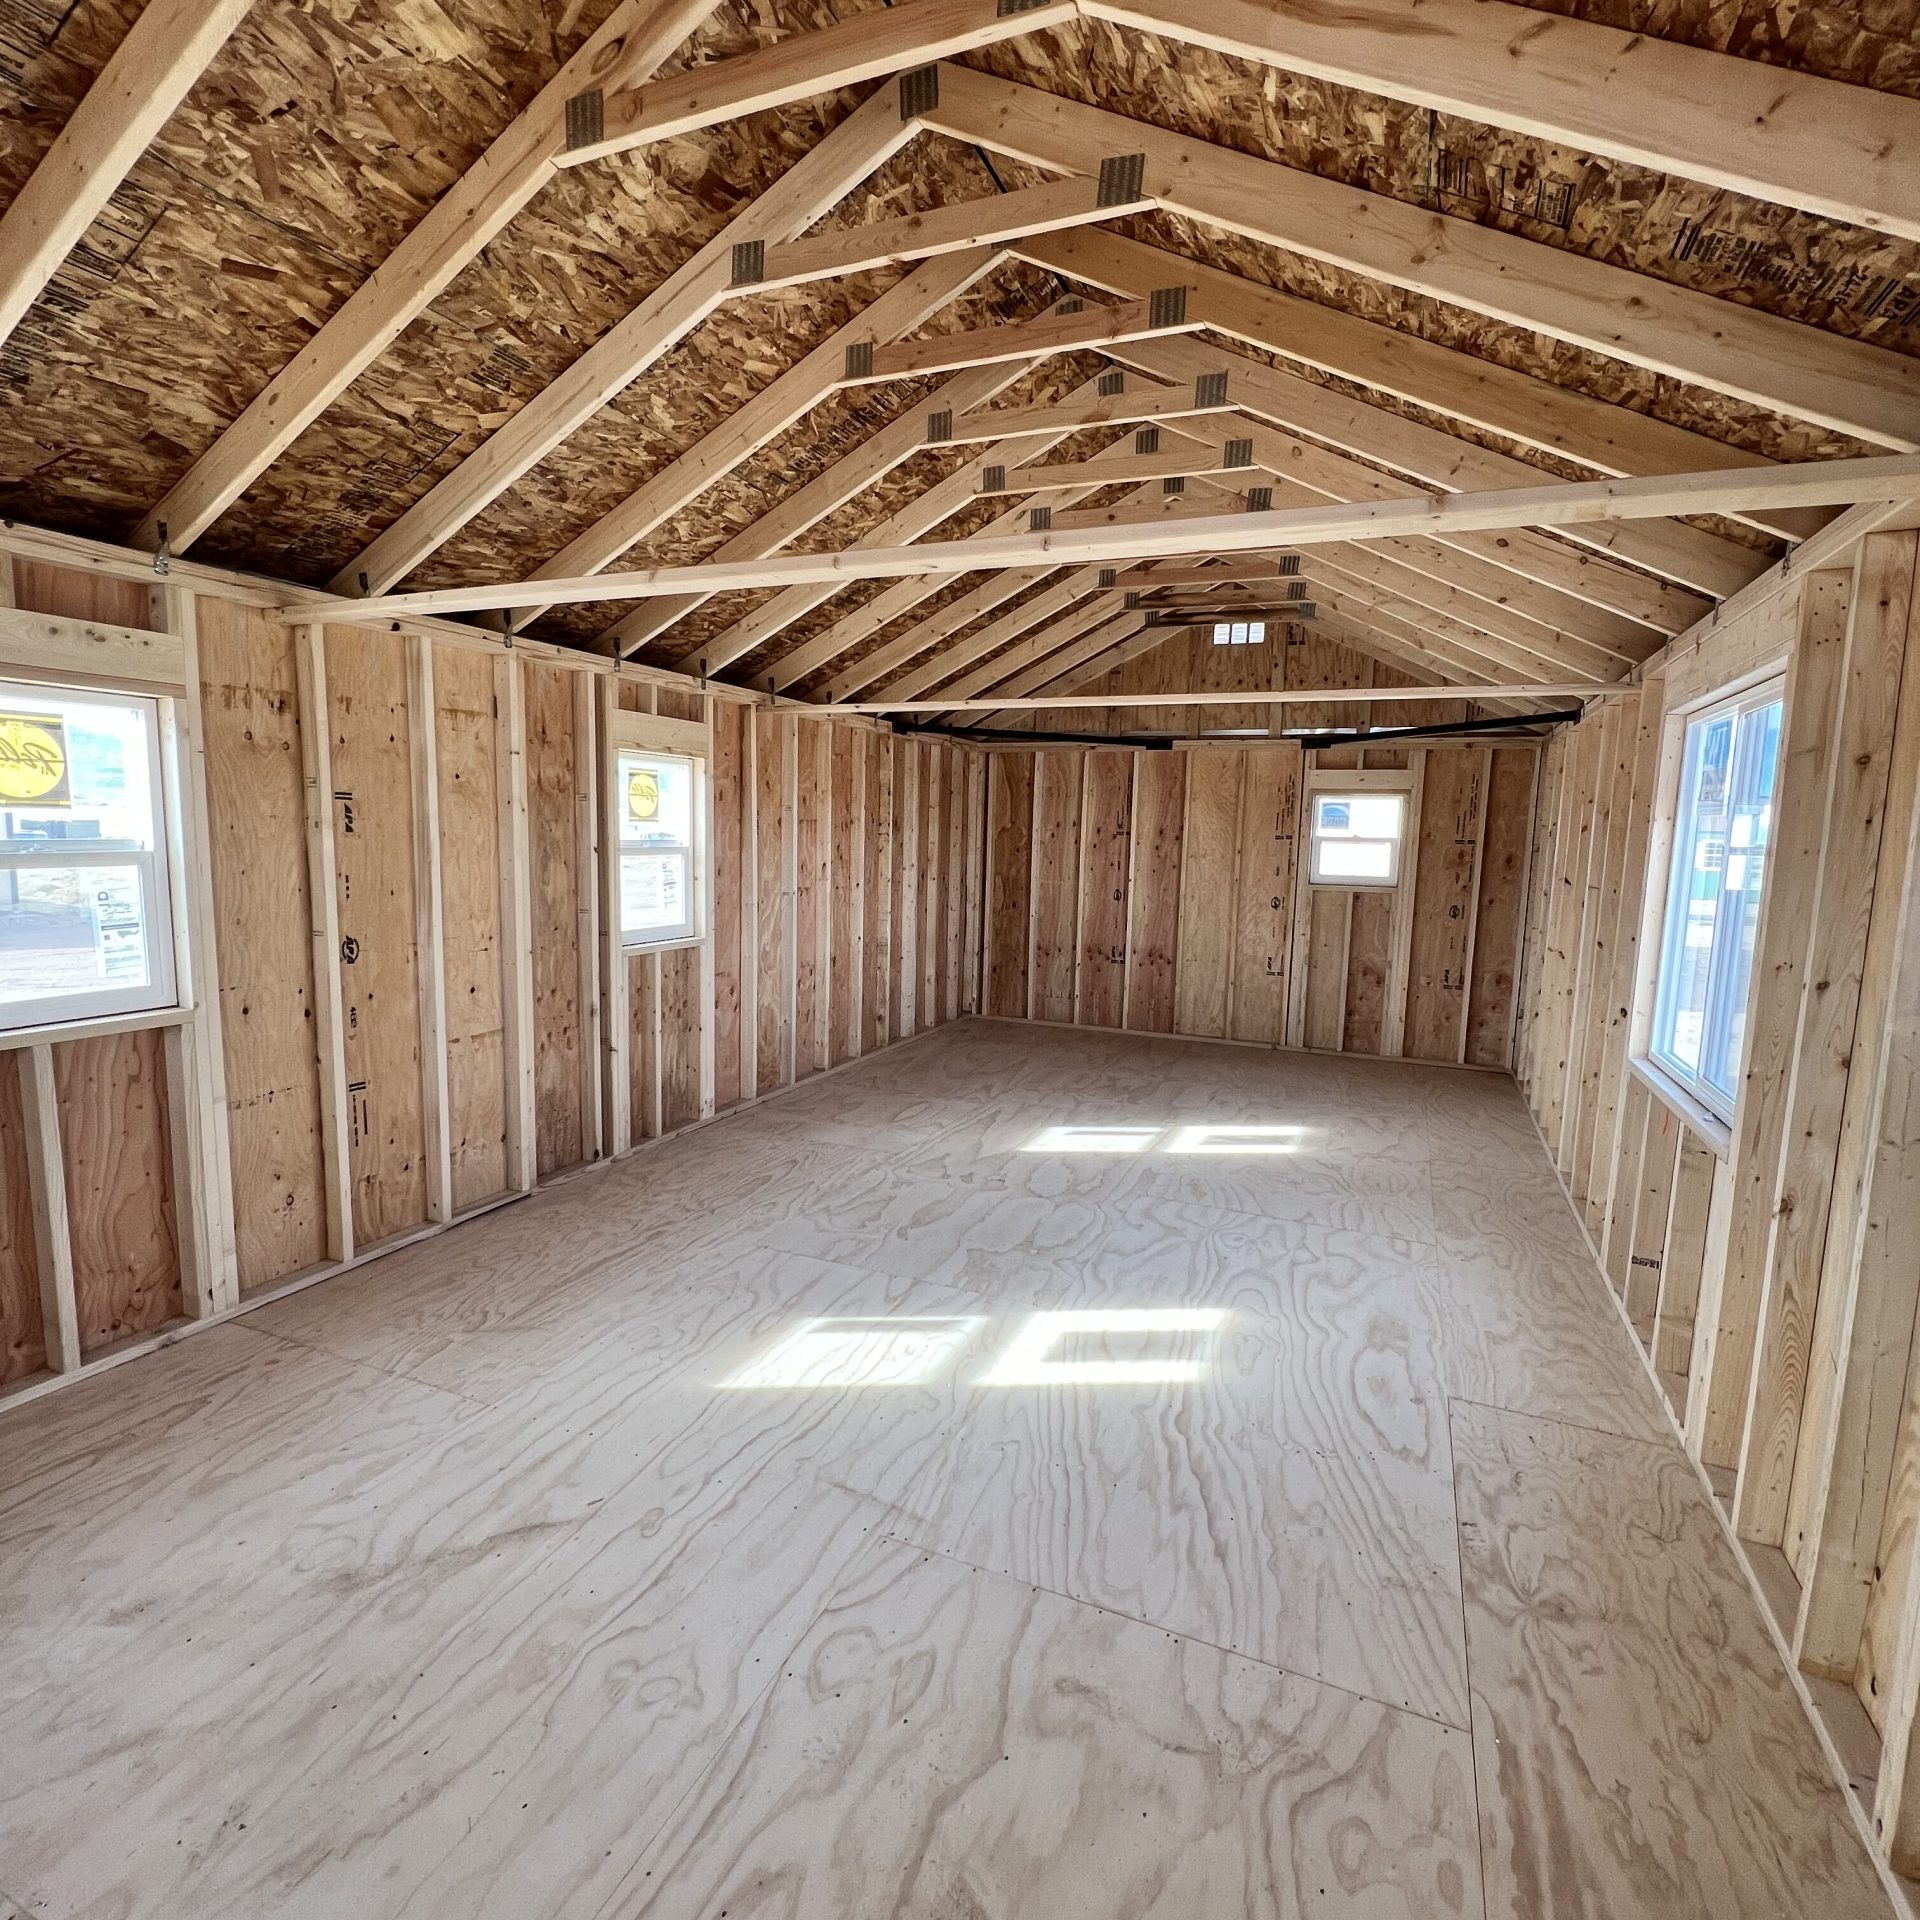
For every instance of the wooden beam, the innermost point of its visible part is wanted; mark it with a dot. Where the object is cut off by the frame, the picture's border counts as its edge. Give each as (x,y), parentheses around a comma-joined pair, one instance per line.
(633,39)
(908,523)
(1818,482)
(1071,326)
(1265,696)
(132,97)
(1073,202)
(1699,563)
(1219,574)
(868,136)
(1128,405)
(1533,413)
(1845,386)
(323,893)
(1743,125)
(1182,462)
(772,410)
(848,476)
(798,67)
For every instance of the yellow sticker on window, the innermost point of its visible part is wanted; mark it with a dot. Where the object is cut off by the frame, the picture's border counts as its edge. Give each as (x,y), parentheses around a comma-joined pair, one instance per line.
(643,794)
(33,760)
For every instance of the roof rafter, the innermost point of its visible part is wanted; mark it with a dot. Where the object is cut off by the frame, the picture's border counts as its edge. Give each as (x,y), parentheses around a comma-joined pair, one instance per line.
(907,523)
(1800,371)
(1701,563)
(799,67)
(132,97)
(1790,138)
(633,39)
(772,410)
(869,135)
(1538,414)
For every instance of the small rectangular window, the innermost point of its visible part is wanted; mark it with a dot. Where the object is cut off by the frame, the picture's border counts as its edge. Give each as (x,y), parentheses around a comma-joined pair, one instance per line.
(1239,633)
(1723,823)
(1356,839)
(86,927)
(659,807)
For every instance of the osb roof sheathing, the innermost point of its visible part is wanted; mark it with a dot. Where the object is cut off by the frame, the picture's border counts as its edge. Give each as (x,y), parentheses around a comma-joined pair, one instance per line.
(323,131)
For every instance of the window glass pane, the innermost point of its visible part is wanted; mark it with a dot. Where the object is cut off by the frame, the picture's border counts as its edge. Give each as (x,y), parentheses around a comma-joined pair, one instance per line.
(84,925)
(656,800)
(1356,838)
(72,930)
(1356,860)
(656,896)
(1722,826)
(656,797)
(74,769)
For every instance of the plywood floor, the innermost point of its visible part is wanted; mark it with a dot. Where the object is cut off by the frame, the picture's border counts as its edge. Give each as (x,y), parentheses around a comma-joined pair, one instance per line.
(853,1511)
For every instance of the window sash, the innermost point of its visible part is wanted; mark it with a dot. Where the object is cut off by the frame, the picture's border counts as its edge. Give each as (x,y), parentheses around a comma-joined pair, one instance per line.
(1752,751)
(687,853)
(151,864)
(1320,840)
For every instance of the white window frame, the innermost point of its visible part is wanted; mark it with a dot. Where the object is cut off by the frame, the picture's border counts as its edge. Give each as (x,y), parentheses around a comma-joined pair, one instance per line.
(1239,633)
(659,737)
(1333,783)
(1666,907)
(162,919)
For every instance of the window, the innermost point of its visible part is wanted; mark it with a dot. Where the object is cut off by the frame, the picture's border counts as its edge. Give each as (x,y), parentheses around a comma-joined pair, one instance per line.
(1722,825)
(659,800)
(85,921)
(1356,839)
(1239,633)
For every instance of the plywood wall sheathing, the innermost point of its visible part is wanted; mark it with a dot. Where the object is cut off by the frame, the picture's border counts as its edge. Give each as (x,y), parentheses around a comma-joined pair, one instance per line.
(251,716)
(378,956)
(1162,891)
(472,940)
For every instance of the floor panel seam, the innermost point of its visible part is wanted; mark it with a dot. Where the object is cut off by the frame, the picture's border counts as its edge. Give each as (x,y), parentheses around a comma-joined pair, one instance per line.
(1191,1639)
